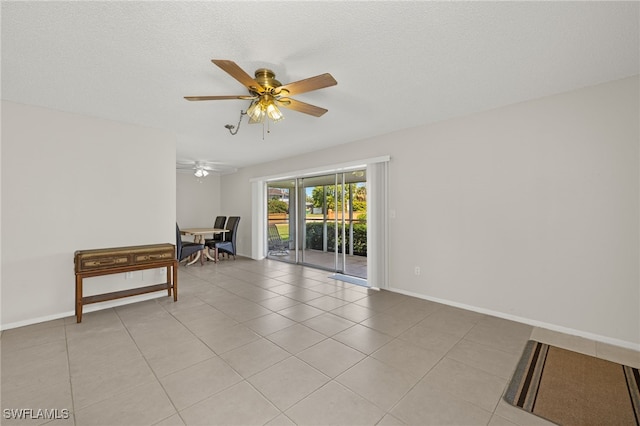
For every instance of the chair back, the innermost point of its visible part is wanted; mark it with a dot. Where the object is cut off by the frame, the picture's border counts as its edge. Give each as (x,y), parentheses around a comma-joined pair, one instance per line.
(229,244)
(232,226)
(276,245)
(219,222)
(274,236)
(178,242)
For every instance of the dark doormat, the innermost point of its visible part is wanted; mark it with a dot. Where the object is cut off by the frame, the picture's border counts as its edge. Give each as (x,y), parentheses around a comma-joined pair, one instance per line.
(569,388)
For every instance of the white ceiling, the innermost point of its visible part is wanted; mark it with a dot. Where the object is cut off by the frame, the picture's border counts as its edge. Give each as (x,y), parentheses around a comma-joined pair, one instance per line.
(398,64)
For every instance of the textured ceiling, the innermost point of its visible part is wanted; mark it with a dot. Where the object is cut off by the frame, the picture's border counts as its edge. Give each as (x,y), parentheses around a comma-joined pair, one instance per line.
(398,64)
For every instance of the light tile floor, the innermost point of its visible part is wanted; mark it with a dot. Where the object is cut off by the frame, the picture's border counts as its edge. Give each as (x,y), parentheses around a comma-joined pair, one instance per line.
(265,342)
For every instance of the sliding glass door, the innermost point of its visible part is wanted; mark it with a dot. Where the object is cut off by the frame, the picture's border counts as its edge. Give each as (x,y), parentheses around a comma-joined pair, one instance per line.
(320,221)
(282,220)
(355,224)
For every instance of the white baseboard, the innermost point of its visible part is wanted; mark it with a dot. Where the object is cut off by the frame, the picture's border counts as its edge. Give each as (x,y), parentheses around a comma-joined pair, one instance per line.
(528,321)
(88,308)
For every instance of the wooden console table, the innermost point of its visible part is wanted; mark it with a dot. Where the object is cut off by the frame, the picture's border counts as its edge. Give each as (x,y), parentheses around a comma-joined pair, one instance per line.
(93,263)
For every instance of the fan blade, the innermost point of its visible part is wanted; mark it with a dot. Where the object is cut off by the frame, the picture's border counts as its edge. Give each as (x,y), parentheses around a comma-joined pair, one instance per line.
(308,84)
(238,73)
(217,98)
(301,107)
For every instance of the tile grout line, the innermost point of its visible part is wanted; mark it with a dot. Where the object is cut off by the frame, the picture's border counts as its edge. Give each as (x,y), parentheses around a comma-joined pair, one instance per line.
(66,344)
(151,369)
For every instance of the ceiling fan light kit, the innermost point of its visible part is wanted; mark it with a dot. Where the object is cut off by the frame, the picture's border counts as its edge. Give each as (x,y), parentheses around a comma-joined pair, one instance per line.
(267,94)
(200,172)
(263,107)
(202,169)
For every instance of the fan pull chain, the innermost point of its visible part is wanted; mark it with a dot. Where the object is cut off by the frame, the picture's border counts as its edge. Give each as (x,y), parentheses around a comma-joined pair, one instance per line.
(231,126)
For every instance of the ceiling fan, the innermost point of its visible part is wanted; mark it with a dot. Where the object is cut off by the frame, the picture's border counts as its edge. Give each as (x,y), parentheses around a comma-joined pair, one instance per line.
(201,169)
(267,93)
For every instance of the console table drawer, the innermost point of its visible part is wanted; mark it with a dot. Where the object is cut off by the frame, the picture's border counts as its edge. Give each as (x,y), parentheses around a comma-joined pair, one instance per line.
(91,260)
(152,257)
(88,264)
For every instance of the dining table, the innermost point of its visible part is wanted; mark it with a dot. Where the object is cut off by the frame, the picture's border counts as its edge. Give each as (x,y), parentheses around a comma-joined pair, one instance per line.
(199,237)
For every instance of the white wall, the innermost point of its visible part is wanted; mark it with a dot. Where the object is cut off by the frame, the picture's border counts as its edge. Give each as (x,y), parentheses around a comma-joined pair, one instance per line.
(235,190)
(71,182)
(197,200)
(529,211)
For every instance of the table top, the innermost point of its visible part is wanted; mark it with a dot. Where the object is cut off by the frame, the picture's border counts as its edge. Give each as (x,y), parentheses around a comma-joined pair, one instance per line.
(202,231)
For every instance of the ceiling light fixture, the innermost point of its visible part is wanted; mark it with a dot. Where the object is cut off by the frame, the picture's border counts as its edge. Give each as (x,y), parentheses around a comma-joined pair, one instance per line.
(264,106)
(261,107)
(200,172)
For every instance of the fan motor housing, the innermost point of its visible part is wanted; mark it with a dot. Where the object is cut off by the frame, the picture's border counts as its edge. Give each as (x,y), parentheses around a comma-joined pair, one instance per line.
(267,78)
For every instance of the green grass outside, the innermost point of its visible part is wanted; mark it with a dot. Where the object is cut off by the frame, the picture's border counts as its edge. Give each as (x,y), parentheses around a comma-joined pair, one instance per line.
(283,230)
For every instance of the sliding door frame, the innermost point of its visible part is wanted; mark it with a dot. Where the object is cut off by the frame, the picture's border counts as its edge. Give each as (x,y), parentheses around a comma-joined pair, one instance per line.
(377,212)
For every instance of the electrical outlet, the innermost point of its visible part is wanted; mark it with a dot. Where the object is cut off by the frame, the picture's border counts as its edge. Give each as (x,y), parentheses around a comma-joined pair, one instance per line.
(128,275)
(416,270)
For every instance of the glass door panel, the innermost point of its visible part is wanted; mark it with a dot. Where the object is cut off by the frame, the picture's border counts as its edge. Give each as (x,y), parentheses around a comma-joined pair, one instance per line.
(318,221)
(355,260)
(323,221)
(281,220)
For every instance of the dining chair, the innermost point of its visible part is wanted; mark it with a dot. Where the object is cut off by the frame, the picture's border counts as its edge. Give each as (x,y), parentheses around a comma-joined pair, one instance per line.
(185,248)
(218,223)
(228,245)
(276,246)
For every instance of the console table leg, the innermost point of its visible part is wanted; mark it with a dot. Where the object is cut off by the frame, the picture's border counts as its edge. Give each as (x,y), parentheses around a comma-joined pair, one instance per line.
(175,281)
(169,284)
(78,298)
